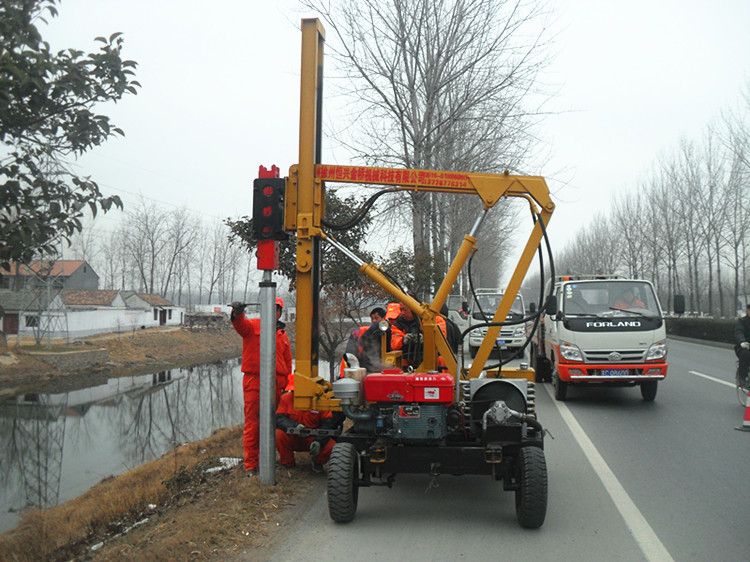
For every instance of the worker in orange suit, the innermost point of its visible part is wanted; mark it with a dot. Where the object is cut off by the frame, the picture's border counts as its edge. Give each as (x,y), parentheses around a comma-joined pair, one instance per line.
(287,418)
(364,344)
(406,335)
(249,329)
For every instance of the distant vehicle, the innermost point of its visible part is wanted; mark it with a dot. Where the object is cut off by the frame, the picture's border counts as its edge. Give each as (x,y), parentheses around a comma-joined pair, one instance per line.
(601,330)
(511,338)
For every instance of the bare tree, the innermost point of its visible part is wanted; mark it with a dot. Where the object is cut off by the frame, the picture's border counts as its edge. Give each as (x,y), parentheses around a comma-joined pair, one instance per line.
(436,84)
(181,234)
(146,241)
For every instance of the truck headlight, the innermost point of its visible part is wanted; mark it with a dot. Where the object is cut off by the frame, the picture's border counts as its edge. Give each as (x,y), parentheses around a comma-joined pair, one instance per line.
(519,332)
(570,352)
(657,351)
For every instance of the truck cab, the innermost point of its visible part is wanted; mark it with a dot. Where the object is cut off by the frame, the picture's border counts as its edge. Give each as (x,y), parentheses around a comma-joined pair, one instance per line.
(511,338)
(601,330)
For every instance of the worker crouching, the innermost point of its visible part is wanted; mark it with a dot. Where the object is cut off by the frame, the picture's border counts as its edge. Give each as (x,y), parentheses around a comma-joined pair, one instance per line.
(249,329)
(287,418)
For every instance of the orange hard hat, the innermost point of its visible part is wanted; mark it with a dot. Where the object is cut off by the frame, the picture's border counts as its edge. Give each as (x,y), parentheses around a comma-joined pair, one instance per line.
(280,302)
(290,382)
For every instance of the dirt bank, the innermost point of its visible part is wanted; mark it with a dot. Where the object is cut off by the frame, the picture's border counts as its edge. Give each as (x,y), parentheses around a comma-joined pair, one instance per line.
(130,353)
(169,509)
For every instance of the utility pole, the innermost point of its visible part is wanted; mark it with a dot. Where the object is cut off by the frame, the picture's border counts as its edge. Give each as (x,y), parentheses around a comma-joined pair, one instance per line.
(268,216)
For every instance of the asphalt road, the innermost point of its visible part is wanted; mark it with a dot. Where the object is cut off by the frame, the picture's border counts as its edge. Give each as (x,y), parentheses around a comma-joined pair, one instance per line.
(628,480)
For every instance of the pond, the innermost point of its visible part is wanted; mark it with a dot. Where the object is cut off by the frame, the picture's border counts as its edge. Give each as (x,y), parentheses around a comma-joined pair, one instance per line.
(54,447)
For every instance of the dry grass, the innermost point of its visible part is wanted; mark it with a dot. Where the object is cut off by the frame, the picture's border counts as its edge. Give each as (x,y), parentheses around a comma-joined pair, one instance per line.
(129,353)
(198,516)
(167,345)
(234,518)
(46,534)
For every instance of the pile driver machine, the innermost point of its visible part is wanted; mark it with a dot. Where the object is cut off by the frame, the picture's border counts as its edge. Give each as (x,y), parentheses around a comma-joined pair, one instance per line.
(441,418)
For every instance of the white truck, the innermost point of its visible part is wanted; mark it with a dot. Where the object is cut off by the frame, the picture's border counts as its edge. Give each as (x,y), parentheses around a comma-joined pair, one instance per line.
(511,338)
(601,330)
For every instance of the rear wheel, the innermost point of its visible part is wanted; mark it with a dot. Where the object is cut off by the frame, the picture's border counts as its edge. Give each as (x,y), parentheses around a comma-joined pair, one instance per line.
(648,390)
(561,387)
(343,477)
(531,495)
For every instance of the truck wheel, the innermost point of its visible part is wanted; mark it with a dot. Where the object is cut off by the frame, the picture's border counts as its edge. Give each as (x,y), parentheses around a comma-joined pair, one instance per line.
(561,387)
(648,390)
(531,495)
(343,476)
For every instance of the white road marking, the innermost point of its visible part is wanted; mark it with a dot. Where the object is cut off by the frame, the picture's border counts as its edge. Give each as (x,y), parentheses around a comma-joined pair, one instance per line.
(644,535)
(709,377)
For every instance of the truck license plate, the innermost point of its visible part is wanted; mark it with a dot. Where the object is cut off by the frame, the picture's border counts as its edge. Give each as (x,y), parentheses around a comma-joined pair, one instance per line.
(615,372)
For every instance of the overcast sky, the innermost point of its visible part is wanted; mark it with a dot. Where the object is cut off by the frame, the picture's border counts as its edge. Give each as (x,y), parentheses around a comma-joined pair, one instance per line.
(221,88)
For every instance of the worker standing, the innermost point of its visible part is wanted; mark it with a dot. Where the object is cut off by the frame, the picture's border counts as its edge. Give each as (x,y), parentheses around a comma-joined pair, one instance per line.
(249,329)
(742,345)
(287,418)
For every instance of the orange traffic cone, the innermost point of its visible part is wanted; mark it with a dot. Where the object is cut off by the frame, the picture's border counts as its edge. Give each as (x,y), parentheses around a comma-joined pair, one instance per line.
(746,418)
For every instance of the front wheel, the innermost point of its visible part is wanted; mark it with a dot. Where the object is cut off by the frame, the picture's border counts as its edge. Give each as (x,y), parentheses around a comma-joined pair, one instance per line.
(531,495)
(343,477)
(560,386)
(648,390)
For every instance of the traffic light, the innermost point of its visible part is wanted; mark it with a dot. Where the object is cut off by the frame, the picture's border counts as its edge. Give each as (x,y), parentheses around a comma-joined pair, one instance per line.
(268,208)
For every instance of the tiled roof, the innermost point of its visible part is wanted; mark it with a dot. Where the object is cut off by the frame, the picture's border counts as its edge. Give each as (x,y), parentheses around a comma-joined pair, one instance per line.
(24,299)
(154,300)
(90,298)
(59,268)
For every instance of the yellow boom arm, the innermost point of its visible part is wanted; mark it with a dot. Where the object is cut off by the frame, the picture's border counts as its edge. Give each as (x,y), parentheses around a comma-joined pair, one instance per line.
(304,209)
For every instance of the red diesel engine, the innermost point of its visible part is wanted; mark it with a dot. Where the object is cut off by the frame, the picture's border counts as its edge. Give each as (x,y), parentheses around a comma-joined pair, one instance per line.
(410,407)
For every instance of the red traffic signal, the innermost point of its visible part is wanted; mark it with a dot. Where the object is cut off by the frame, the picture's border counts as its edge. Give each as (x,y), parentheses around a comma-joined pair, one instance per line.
(268,208)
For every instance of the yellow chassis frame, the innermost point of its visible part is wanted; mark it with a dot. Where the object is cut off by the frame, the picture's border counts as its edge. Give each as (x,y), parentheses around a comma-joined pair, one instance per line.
(304,211)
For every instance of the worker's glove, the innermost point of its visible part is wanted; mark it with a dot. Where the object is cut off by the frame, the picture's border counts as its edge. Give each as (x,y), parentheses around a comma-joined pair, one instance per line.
(412,338)
(299,426)
(745,345)
(237,309)
(314,449)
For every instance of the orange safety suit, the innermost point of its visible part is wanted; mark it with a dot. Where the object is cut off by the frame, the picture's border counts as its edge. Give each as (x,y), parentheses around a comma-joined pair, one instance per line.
(355,335)
(398,332)
(637,303)
(287,416)
(249,329)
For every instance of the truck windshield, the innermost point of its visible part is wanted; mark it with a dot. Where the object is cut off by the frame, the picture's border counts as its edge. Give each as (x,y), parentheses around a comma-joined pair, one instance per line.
(609,298)
(490,302)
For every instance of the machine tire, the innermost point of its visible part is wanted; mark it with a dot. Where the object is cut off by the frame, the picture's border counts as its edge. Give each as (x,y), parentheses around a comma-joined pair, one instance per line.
(648,390)
(343,488)
(531,495)
(561,387)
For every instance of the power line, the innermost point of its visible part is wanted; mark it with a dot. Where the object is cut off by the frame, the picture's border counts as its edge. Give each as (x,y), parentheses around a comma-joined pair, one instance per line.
(139,194)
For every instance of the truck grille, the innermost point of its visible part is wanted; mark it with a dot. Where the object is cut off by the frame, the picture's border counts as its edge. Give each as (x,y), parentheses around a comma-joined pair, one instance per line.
(506,333)
(611,356)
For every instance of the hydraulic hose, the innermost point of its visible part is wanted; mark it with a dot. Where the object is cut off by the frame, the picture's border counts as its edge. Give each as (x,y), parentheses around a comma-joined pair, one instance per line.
(479,305)
(363,210)
(534,317)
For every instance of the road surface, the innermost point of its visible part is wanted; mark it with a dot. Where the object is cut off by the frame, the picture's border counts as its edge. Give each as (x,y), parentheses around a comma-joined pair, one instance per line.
(628,480)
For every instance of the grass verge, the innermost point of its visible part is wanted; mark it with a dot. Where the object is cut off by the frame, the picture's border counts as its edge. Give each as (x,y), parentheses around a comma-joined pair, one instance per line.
(197,515)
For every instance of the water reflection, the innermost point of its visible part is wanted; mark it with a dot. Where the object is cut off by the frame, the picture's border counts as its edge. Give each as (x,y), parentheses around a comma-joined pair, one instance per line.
(55,446)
